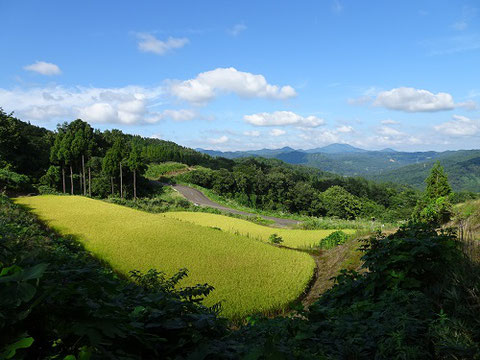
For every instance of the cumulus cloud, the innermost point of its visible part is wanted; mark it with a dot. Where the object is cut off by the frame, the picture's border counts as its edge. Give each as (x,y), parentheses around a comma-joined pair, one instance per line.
(315,137)
(237,29)
(43,68)
(277,132)
(216,141)
(149,43)
(125,105)
(459,126)
(281,118)
(345,129)
(414,100)
(207,85)
(252,133)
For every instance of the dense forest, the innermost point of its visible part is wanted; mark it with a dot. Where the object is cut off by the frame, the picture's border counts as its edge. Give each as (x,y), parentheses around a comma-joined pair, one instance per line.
(77,159)
(408,168)
(270,184)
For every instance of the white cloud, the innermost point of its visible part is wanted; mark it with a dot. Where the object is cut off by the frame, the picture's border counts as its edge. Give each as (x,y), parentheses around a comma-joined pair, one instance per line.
(180,115)
(389,131)
(277,132)
(149,43)
(207,85)
(460,126)
(126,105)
(469,105)
(316,137)
(414,100)
(389,122)
(237,29)
(221,140)
(253,133)
(98,113)
(345,129)
(281,118)
(43,68)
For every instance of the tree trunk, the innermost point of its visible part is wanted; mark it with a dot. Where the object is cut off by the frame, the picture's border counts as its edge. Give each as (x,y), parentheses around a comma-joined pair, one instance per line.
(134,184)
(84,177)
(89,182)
(63,179)
(111,179)
(71,180)
(121,182)
(81,181)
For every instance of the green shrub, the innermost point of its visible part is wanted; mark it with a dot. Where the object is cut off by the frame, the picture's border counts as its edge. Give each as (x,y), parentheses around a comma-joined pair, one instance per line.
(340,203)
(275,239)
(12,181)
(334,239)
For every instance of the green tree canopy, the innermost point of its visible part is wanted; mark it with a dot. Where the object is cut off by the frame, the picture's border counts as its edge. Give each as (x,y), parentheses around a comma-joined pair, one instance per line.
(437,183)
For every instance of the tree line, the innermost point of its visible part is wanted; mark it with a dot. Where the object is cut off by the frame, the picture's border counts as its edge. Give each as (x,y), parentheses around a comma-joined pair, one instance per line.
(273,185)
(77,159)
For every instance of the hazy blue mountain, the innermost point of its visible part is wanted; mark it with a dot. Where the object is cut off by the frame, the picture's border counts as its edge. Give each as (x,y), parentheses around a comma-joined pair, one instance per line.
(336,149)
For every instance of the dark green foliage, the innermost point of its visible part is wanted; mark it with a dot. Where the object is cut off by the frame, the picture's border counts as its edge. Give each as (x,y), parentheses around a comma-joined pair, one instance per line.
(52,177)
(463,168)
(273,185)
(334,239)
(435,206)
(24,146)
(275,239)
(437,183)
(13,182)
(340,203)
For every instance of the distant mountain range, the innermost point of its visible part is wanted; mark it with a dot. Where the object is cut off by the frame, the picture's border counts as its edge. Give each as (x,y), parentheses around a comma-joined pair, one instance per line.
(463,166)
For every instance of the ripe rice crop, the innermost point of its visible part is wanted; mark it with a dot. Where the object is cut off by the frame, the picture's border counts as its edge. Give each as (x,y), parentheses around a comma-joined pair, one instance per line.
(248,275)
(294,238)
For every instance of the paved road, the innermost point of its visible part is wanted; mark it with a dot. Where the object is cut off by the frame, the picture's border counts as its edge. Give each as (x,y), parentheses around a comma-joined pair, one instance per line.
(198,198)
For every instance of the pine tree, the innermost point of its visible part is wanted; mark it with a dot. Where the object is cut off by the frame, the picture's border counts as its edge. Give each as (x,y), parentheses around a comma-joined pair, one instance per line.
(437,183)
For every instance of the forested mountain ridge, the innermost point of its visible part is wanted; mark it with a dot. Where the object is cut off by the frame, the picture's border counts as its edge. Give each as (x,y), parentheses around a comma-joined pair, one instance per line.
(385,165)
(462,167)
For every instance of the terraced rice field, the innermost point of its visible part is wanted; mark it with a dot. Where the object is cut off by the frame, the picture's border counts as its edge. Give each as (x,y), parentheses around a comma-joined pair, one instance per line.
(248,275)
(294,238)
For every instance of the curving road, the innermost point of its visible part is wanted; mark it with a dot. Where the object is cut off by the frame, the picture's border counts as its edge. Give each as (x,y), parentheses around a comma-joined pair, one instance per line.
(197,197)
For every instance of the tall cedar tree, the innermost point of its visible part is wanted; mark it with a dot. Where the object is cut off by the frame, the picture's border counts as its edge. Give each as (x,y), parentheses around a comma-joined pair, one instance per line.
(437,183)
(135,163)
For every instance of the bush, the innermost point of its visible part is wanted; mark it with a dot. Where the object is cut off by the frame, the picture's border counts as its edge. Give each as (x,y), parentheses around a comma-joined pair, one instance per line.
(275,239)
(334,239)
(47,190)
(340,203)
(12,181)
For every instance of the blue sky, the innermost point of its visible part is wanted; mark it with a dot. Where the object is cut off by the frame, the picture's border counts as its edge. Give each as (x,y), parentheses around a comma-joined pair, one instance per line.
(243,75)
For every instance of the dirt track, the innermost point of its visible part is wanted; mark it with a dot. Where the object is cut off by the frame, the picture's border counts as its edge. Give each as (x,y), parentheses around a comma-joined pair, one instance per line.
(197,197)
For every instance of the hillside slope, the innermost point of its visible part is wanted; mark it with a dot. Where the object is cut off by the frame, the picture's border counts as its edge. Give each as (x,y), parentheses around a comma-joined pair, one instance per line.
(462,168)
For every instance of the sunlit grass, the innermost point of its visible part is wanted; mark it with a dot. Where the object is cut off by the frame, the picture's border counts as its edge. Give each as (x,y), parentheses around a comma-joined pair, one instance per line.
(248,275)
(295,238)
